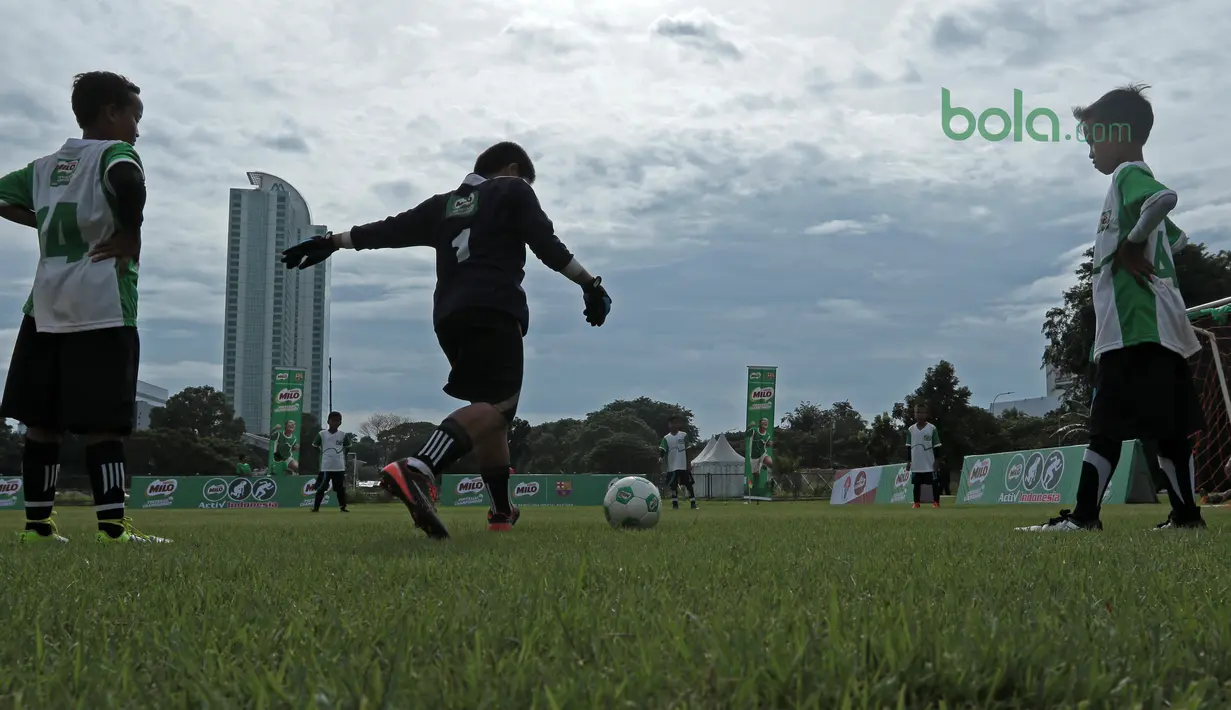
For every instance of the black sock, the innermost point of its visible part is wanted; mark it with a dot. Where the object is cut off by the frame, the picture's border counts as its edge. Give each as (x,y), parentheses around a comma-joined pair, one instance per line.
(496,479)
(105,463)
(40,468)
(1175,458)
(691,494)
(444,447)
(339,488)
(918,493)
(935,493)
(1097,465)
(675,494)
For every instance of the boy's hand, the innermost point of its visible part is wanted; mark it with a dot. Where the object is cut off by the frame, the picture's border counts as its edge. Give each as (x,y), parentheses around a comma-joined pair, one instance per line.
(1132,258)
(124,244)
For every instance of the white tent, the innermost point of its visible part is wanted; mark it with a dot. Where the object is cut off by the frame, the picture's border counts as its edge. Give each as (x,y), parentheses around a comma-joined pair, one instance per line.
(719,470)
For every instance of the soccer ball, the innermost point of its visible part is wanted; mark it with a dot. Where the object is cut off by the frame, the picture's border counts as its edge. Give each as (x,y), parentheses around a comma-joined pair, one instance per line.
(632,503)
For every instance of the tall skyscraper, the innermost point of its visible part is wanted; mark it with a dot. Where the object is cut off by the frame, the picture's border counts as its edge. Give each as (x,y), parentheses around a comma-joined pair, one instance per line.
(274,317)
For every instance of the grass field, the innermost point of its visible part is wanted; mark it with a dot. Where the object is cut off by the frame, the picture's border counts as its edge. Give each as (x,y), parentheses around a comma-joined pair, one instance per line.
(773,606)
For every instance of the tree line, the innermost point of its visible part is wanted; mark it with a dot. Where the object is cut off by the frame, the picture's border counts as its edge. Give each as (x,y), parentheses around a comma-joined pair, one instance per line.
(197,431)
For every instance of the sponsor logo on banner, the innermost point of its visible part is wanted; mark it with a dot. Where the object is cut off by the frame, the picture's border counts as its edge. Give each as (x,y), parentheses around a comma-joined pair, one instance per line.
(290,395)
(282,376)
(861,482)
(761,394)
(264,490)
(1014,471)
(900,479)
(1053,470)
(470,491)
(754,375)
(1034,471)
(159,493)
(1039,470)
(525,490)
(979,471)
(239,489)
(309,488)
(564,488)
(214,490)
(9,488)
(846,488)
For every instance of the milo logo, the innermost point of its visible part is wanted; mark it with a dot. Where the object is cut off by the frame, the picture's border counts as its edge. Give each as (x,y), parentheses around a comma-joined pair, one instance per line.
(624,494)
(1053,470)
(282,376)
(1013,473)
(214,490)
(861,482)
(469,485)
(290,395)
(762,394)
(309,488)
(9,488)
(161,488)
(651,503)
(901,479)
(525,490)
(1034,471)
(979,471)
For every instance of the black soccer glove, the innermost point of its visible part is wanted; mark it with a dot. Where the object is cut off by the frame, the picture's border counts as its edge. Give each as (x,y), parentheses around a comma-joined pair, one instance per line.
(310,253)
(598,303)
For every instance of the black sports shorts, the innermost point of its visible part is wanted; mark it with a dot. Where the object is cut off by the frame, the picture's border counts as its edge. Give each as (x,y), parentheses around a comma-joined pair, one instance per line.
(679,478)
(486,361)
(83,382)
(926,478)
(1144,392)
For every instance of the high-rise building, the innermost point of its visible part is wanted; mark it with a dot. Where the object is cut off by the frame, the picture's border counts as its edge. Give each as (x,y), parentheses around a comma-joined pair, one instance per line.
(274,317)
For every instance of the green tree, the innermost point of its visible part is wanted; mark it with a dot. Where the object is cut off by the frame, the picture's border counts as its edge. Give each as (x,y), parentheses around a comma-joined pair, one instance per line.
(11,447)
(654,414)
(823,438)
(1069,328)
(201,411)
(963,429)
(884,444)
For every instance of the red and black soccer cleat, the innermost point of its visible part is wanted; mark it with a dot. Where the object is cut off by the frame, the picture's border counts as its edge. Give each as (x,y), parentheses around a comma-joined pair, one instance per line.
(417,491)
(501,522)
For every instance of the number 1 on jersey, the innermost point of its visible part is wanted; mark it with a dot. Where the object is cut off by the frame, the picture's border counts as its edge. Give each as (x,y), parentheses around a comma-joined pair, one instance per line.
(61,235)
(462,244)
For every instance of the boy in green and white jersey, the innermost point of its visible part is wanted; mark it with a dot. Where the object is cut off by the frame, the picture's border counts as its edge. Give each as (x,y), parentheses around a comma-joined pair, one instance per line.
(1143,387)
(673,450)
(74,365)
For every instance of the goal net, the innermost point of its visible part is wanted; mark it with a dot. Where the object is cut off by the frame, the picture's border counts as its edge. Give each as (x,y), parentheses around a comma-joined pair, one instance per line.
(1210,367)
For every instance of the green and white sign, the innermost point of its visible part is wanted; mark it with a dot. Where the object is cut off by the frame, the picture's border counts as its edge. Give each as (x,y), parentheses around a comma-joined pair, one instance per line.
(285,413)
(1050,476)
(11,497)
(759,435)
(528,490)
(223,492)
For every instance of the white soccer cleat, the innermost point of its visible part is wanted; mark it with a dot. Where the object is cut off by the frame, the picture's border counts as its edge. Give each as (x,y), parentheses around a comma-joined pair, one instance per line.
(1065,522)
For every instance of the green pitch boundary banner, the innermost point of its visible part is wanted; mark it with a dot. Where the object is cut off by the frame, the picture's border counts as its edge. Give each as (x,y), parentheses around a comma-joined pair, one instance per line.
(529,490)
(1050,476)
(11,496)
(225,492)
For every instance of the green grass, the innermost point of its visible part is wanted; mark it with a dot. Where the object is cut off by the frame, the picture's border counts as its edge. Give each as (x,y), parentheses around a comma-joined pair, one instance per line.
(772,606)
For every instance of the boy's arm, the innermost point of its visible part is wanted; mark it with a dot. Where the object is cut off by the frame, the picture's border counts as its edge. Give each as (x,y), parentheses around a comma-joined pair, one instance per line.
(412,228)
(1146,200)
(17,197)
(316,443)
(540,235)
(124,178)
(662,448)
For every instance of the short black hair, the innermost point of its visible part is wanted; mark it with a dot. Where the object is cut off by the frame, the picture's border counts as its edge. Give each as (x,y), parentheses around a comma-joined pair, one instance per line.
(676,418)
(96,90)
(500,156)
(1120,108)
(334,414)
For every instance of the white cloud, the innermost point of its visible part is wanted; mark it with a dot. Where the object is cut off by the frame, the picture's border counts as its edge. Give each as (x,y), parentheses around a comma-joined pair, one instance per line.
(707,158)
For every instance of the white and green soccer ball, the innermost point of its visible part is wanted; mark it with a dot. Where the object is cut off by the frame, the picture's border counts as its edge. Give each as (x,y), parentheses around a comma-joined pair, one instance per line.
(632,503)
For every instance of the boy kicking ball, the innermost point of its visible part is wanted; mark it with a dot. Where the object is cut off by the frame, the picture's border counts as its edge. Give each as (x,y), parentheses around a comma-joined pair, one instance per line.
(1143,386)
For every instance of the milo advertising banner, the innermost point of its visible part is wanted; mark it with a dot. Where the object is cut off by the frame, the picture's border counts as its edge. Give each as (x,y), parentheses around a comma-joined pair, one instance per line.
(895,486)
(1050,476)
(285,412)
(857,486)
(11,497)
(528,490)
(224,492)
(759,436)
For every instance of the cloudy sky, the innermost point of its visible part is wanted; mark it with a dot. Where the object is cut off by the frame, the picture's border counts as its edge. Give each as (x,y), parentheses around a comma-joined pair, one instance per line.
(757,184)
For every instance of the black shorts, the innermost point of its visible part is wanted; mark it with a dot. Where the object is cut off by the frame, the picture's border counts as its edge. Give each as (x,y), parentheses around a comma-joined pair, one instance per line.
(679,478)
(1144,392)
(324,478)
(925,478)
(83,382)
(486,361)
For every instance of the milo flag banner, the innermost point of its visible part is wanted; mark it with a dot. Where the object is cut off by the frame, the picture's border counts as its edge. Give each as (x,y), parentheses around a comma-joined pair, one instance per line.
(759,435)
(286,408)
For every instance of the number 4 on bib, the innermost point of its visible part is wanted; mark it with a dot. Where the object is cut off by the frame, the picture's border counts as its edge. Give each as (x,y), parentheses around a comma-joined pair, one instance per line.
(60,234)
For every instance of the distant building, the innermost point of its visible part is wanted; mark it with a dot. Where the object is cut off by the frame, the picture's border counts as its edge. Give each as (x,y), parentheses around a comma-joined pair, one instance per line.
(1056,384)
(274,317)
(149,398)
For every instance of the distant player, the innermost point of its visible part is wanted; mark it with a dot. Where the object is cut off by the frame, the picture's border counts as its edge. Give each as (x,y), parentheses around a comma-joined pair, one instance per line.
(243,468)
(334,445)
(922,440)
(285,444)
(1143,388)
(760,450)
(673,450)
(480,231)
(74,365)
